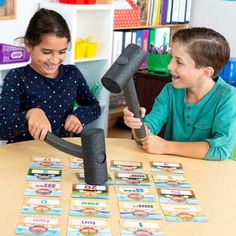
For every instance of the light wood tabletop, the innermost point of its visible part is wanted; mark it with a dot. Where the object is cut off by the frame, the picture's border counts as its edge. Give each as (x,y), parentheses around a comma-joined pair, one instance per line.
(212,183)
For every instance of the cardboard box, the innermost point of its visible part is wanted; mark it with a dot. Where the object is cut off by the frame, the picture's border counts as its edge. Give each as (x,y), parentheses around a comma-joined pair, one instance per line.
(127,17)
(12,54)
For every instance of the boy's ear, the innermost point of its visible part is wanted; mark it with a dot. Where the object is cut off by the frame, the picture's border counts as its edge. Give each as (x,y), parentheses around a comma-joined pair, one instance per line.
(208,72)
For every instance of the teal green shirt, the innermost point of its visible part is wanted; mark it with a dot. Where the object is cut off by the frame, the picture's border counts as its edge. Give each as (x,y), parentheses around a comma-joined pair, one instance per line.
(213,119)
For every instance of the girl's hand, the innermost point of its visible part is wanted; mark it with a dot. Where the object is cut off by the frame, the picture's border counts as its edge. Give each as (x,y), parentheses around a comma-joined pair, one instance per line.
(130,120)
(73,124)
(38,123)
(154,144)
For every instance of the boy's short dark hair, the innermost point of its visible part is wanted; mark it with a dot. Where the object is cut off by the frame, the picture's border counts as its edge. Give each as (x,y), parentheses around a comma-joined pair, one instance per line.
(206,46)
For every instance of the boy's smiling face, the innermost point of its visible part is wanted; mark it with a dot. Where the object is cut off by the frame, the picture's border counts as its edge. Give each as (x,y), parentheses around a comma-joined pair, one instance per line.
(48,55)
(183,70)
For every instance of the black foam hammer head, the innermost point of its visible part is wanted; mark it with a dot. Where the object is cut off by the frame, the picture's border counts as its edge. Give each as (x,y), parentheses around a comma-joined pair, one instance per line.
(123,68)
(93,153)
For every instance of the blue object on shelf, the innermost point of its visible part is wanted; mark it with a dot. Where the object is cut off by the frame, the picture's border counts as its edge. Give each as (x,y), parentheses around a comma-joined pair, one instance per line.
(2,3)
(228,73)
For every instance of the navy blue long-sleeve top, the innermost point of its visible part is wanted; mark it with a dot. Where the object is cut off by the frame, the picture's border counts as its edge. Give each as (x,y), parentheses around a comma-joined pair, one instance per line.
(24,88)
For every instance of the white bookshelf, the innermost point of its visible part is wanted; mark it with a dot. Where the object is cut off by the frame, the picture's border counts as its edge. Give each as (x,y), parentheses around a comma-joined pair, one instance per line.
(95,21)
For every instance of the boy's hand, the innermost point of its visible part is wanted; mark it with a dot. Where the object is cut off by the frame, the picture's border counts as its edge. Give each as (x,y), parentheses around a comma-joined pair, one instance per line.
(73,124)
(130,120)
(38,123)
(154,144)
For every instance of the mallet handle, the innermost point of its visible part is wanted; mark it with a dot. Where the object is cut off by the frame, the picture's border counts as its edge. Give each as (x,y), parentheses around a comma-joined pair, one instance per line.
(133,104)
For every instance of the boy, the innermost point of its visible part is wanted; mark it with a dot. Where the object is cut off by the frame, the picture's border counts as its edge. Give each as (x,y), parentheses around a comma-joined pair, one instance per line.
(198,107)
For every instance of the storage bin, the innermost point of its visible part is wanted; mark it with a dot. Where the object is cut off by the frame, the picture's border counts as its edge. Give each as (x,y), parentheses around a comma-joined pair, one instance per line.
(127,17)
(158,62)
(12,54)
(80,49)
(85,49)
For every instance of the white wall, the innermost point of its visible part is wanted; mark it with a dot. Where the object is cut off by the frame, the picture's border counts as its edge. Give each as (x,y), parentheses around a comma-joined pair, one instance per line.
(217,14)
(11,29)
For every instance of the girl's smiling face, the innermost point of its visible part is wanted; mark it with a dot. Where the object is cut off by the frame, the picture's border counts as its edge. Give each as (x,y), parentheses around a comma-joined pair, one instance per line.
(48,55)
(183,70)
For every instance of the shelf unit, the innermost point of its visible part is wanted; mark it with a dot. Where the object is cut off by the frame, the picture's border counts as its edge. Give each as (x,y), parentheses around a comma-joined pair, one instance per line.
(95,21)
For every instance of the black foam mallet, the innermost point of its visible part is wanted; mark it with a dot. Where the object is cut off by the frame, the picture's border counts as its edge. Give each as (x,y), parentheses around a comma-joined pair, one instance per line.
(120,77)
(92,151)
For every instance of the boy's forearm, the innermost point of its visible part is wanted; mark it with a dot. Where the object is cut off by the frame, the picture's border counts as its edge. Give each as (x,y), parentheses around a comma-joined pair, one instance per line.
(188,149)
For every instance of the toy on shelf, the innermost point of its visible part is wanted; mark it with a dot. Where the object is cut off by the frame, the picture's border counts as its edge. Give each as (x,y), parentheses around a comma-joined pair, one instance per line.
(84,48)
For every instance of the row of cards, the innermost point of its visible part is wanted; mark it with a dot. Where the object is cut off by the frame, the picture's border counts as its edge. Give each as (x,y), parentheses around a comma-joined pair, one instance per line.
(137,179)
(115,166)
(55,162)
(83,226)
(142,179)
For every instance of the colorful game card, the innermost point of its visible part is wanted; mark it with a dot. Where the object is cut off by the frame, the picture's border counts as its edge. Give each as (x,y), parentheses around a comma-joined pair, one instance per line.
(38,226)
(126,166)
(130,193)
(132,179)
(88,226)
(80,176)
(41,206)
(90,191)
(89,207)
(171,167)
(135,227)
(44,162)
(170,181)
(43,175)
(176,196)
(183,213)
(76,163)
(43,189)
(139,210)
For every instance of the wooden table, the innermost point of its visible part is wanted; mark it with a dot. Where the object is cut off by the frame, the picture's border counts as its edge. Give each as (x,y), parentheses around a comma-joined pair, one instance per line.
(212,182)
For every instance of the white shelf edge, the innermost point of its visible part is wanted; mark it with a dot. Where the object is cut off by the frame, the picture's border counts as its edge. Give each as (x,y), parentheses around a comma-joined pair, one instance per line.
(91,59)
(12,65)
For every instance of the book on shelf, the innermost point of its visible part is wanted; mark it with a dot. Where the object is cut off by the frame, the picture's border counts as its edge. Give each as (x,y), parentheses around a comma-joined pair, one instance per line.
(178,11)
(117,44)
(144,6)
(164,11)
(188,11)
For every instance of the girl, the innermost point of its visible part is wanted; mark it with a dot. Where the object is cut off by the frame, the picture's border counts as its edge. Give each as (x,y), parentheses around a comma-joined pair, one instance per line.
(39,97)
